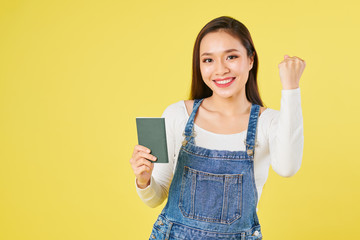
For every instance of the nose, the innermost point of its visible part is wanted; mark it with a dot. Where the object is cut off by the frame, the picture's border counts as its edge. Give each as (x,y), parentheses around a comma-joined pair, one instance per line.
(221,68)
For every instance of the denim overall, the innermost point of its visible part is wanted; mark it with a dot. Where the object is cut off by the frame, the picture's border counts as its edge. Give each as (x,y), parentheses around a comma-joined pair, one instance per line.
(213,194)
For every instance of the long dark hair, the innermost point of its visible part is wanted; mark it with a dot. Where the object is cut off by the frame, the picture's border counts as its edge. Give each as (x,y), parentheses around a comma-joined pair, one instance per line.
(232,26)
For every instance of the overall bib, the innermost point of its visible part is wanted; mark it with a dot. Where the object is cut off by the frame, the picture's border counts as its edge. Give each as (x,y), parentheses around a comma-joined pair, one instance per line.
(213,194)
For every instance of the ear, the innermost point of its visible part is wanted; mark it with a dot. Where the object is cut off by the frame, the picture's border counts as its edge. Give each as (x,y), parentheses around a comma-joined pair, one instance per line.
(252,61)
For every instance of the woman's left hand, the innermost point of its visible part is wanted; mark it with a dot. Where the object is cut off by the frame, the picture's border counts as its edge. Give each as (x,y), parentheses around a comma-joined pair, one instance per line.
(290,70)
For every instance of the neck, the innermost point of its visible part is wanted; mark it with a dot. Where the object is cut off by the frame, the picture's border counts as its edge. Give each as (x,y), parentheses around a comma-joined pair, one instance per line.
(231,106)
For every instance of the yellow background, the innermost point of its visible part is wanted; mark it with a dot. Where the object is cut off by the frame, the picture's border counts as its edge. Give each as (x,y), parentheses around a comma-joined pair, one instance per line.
(75,74)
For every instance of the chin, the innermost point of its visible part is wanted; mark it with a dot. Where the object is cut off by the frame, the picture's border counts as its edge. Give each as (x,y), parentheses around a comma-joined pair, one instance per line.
(224,95)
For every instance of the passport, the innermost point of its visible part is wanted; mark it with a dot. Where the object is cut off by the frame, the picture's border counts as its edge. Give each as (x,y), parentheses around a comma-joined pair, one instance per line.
(151,133)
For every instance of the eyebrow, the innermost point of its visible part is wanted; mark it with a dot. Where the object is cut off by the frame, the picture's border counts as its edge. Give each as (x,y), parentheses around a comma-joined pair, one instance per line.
(226,51)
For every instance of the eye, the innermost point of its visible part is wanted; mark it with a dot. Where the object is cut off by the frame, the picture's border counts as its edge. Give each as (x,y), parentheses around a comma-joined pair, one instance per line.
(205,60)
(233,56)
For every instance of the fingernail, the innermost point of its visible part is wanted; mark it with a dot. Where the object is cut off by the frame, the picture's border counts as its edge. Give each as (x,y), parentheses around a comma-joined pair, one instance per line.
(154,158)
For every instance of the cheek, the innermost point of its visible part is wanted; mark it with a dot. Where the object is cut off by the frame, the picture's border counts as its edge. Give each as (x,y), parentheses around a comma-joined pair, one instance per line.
(237,66)
(205,71)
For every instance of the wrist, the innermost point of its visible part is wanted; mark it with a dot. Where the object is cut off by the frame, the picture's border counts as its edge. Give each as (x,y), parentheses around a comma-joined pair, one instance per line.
(289,87)
(142,185)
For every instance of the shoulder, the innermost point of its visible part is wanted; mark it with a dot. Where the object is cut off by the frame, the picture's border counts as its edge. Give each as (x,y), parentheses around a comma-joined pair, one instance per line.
(175,110)
(189,106)
(175,117)
(267,114)
(262,109)
(265,120)
(267,117)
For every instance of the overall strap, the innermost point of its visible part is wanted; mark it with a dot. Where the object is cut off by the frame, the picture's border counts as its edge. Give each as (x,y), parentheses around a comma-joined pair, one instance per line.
(251,131)
(189,129)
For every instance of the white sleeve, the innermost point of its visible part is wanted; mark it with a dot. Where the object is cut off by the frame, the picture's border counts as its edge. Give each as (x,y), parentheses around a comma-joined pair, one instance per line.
(286,138)
(154,194)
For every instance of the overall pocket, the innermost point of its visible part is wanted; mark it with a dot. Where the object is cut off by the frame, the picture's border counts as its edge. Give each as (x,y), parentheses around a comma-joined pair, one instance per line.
(210,197)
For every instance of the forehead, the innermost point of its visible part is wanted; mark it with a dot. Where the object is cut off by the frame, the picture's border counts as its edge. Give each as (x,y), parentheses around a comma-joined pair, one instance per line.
(220,41)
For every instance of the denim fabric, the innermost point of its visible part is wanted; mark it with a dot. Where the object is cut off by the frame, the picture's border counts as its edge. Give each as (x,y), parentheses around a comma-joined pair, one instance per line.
(212,194)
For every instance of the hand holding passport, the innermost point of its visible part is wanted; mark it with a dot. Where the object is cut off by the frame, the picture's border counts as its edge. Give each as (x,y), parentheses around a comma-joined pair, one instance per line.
(152,134)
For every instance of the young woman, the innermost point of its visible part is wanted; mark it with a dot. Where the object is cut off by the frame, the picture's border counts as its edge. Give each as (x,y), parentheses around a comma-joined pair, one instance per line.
(222,141)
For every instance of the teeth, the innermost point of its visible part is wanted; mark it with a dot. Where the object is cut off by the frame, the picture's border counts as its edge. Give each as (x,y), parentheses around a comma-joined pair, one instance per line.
(224,81)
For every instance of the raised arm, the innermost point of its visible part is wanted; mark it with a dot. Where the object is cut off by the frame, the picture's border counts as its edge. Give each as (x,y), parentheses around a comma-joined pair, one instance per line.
(286,138)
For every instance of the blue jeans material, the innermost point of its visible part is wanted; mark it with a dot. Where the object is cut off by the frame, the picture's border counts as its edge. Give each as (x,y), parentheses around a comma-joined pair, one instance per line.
(212,194)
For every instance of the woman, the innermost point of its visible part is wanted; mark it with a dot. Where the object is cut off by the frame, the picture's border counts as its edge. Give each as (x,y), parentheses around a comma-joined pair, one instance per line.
(214,178)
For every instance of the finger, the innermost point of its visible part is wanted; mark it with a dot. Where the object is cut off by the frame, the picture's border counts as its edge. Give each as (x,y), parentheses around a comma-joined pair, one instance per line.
(145,155)
(142,169)
(142,161)
(149,165)
(302,60)
(140,148)
(293,59)
(136,166)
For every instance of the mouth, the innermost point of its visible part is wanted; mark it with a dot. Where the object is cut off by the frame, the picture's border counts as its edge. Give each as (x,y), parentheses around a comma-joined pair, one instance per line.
(225,82)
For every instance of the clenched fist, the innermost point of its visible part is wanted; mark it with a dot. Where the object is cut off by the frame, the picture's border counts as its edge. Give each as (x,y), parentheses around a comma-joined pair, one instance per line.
(290,70)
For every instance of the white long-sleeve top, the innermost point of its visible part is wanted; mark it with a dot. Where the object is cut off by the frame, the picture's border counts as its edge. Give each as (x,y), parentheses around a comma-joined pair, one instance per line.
(279,142)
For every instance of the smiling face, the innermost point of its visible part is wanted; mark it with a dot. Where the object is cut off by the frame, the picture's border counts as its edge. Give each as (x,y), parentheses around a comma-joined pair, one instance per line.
(224,64)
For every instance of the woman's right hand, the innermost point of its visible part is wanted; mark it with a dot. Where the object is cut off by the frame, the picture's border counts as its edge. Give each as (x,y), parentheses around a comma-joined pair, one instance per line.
(141,165)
